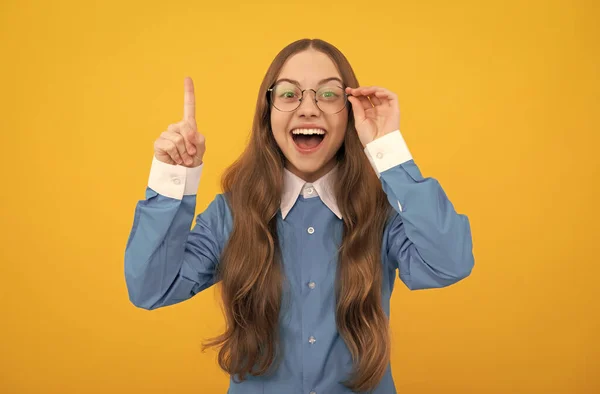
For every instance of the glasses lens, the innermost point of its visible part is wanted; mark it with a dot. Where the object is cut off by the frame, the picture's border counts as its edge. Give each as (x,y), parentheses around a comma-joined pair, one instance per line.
(331,99)
(286,96)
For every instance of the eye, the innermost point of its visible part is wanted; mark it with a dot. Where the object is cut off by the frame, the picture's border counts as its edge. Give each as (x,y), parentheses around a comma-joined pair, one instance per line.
(286,92)
(329,93)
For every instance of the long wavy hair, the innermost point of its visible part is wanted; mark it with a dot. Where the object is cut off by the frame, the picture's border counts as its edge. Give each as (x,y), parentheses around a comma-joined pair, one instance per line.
(250,273)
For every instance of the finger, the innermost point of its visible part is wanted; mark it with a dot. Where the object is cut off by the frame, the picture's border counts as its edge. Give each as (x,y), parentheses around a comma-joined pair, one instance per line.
(363,90)
(390,96)
(170,148)
(364,100)
(189,100)
(378,92)
(357,108)
(179,142)
(176,140)
(383,99)
(375,100)
(189,136)
(368,90)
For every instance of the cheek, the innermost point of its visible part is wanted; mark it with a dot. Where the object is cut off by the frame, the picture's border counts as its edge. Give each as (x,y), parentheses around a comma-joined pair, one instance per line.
(278,124)
(340,125)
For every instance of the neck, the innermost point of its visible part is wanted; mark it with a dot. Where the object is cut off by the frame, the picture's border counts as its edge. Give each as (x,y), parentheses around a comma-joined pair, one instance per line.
(311,176)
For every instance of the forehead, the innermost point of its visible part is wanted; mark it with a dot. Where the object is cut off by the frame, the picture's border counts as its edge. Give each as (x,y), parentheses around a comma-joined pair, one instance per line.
(309,67)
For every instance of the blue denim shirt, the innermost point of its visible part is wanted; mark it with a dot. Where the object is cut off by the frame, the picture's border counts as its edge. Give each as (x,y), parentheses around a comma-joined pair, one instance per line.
(426,243)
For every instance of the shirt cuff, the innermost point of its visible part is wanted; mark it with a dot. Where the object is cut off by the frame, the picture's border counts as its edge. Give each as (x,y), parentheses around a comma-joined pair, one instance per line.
(174,181)
(387,152)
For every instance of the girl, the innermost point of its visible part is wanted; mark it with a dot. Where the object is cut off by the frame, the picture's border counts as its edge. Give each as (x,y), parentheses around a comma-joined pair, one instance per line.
(316,216)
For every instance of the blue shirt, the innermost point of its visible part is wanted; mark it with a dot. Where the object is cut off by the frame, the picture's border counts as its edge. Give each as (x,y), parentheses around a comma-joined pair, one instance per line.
(426,243)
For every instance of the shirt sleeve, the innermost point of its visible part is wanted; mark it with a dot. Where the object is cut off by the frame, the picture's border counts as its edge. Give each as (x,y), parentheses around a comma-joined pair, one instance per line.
(427,240)
(166,262)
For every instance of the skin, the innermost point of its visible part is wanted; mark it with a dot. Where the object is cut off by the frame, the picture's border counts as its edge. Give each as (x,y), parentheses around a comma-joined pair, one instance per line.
(308,68)
(375,111)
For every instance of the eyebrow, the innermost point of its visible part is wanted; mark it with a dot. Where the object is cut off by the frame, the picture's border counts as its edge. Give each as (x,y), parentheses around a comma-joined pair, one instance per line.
(322,81)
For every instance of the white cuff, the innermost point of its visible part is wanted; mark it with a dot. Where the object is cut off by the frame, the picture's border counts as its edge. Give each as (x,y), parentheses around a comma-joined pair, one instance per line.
(387,152)
(174,181)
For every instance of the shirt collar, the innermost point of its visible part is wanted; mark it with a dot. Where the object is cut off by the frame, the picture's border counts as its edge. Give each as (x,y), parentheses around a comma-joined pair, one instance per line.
(293,186)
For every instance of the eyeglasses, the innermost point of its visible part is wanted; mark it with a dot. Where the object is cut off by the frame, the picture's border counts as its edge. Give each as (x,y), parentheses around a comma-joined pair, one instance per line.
(287,97)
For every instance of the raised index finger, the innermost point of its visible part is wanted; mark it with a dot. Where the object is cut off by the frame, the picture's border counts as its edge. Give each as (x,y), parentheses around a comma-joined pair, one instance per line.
(189,100)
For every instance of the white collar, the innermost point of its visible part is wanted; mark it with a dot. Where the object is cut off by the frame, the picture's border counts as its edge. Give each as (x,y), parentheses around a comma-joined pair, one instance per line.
(293,186)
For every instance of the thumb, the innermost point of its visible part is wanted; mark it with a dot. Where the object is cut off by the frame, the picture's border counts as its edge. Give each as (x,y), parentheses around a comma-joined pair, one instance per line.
(189,138)
(196,140)
(199,143)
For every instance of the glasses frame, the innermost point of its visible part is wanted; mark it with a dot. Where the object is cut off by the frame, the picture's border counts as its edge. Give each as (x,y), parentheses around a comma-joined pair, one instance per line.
(271,101)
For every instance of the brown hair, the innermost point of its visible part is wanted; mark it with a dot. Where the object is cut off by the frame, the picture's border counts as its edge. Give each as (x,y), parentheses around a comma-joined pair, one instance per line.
(250,271)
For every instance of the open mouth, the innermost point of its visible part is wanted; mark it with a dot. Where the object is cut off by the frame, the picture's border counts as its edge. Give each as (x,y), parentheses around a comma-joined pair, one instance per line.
(308,139)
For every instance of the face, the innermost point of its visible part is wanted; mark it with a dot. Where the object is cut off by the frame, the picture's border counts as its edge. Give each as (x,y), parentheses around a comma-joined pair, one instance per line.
(308,137)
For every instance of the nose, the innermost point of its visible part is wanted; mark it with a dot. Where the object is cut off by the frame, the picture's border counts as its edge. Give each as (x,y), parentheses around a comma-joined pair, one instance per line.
(308,106)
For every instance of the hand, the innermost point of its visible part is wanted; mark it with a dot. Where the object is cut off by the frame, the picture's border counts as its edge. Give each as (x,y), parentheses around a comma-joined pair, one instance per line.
(181,143)
(377,119)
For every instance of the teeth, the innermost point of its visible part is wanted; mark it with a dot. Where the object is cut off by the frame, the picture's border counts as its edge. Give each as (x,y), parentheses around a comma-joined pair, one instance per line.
(308,131)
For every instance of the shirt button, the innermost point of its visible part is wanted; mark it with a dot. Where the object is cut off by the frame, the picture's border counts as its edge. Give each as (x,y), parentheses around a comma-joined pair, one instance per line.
(379,155)
(311,230)
(312,340)
(309,190)
(312,285)
(176,181)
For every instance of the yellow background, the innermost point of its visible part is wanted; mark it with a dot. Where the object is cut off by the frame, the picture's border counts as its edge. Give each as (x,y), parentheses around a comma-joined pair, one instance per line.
(499,101)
